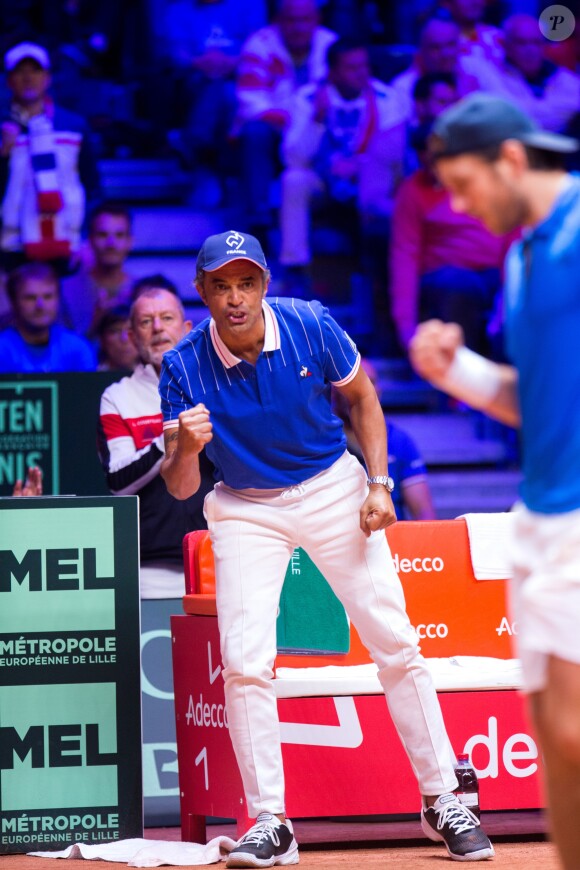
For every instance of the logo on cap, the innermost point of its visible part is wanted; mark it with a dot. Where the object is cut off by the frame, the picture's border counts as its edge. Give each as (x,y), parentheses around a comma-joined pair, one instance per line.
(235,241)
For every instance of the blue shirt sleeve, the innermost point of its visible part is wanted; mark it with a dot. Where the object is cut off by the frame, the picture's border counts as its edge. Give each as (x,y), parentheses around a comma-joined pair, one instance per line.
(174,399)
(341,357)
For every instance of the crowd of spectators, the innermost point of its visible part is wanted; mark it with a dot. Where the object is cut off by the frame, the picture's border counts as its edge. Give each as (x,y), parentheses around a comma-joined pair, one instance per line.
(305,113)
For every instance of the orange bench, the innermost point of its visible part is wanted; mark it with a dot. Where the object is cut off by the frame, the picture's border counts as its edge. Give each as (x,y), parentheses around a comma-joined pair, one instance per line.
(454,613)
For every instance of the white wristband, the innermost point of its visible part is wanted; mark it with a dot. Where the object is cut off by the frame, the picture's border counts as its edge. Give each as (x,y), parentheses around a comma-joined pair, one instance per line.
(472,378)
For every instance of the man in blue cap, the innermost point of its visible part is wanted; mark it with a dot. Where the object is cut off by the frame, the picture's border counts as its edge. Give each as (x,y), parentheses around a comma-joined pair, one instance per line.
(500,167)
(252,384)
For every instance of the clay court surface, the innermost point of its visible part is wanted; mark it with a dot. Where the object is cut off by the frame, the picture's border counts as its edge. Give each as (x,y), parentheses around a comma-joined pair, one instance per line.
(518,838)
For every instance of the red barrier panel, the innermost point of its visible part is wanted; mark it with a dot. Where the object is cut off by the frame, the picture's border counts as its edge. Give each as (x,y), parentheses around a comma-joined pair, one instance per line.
(342,755)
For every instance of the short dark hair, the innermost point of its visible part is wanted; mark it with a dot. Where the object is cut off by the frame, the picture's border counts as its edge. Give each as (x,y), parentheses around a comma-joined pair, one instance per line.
(543,160)
(341,46)
(424,84)
(19,276)
(153,282)
(110,206)
(117,314)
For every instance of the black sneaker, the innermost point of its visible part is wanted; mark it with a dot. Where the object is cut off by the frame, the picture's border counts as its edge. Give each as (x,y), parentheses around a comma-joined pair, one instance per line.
(267,843)
(450,822)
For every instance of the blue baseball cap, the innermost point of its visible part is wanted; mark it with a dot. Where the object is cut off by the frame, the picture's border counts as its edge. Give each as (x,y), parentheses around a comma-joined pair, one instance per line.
(481,120)
(224,248)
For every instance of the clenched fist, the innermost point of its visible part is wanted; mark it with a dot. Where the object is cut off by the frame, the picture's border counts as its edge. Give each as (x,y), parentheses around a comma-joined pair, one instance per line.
(195,429)
(433,347)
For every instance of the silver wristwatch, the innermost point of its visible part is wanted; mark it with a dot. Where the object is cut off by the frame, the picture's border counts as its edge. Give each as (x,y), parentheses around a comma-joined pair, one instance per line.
(387,482)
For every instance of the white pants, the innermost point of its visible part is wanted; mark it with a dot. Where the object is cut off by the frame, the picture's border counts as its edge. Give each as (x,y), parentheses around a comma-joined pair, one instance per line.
(545,591)
(253,536)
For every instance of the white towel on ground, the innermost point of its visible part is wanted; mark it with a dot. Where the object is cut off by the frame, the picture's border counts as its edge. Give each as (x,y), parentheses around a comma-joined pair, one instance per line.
(148,853)
(489,543)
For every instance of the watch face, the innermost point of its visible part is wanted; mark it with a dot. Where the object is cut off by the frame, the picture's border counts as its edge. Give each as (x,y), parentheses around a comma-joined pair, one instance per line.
(387,482)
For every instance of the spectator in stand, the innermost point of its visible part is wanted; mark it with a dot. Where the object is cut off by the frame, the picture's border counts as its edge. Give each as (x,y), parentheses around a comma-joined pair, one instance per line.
(550,94)
(200,44)
(442,264)
(117,353)
(438,51)
(432,93)
(47,170)
(36,342)
(131,446)
(411,495)
(274,63)
(103,282)
(333,124)
(478,41)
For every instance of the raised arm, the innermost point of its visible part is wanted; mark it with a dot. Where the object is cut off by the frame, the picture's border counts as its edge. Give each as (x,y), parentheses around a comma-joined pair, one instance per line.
(183,444)
(438,354)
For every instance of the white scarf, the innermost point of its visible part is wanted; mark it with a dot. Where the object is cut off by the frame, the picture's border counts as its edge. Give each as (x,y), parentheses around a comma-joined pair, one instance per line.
(35,214)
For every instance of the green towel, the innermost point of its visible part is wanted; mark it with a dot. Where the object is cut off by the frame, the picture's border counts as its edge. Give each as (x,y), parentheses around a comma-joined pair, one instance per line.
(312,619)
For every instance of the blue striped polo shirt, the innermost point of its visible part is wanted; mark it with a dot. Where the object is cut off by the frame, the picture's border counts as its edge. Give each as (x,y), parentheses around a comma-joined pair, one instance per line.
(272,423)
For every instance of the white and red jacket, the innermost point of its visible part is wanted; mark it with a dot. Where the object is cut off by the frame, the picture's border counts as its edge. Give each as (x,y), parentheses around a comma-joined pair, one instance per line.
(267,77)
(131,449)
(352,123)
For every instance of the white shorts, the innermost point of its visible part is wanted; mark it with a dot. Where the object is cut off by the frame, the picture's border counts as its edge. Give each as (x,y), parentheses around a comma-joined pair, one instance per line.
(545,591)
